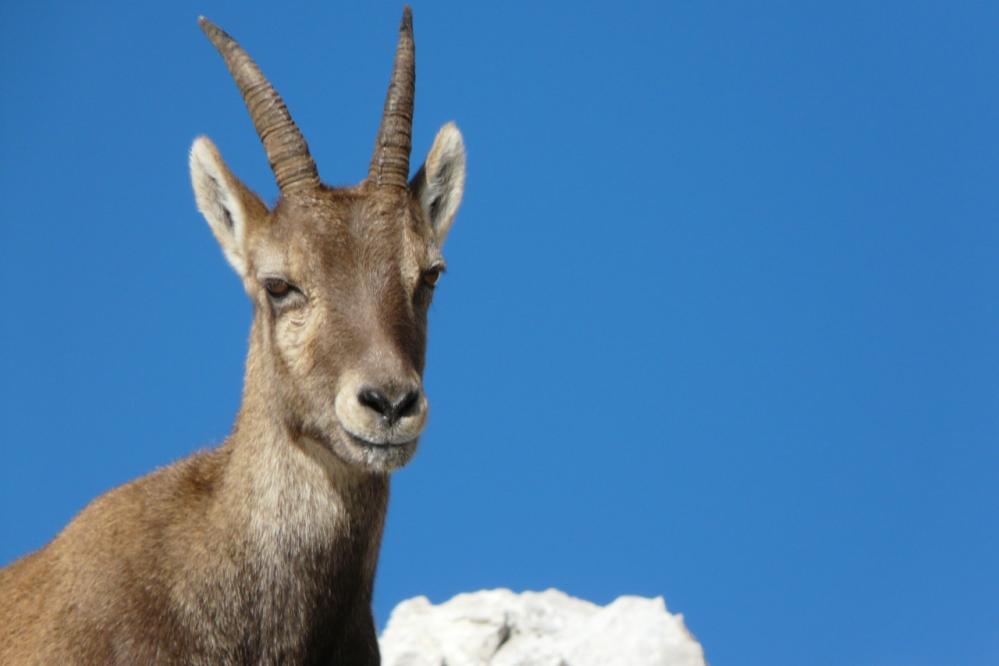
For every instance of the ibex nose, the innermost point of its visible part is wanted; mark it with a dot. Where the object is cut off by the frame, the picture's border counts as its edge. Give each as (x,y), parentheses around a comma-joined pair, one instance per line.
(390,411)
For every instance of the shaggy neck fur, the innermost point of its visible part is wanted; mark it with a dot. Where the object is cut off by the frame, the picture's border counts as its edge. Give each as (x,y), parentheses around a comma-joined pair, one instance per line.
(309,523)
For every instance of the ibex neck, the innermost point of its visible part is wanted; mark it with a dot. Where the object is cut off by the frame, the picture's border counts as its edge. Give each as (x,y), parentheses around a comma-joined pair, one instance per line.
(291,534)
(297,494)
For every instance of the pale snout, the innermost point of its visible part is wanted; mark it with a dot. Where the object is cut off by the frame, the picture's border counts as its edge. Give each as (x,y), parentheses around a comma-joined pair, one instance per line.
(382,413)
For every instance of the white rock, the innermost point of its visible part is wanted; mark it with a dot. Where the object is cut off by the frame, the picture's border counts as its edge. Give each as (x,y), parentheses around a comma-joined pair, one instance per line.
(500,628)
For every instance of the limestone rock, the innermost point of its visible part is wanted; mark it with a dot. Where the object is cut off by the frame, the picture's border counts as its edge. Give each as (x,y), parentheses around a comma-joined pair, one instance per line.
(500,628)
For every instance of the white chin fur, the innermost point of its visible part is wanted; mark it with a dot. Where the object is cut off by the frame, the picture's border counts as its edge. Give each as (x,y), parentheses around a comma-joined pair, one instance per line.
(377,458)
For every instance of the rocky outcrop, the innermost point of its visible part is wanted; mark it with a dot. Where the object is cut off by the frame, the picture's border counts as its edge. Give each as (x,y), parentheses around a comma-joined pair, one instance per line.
(501,628)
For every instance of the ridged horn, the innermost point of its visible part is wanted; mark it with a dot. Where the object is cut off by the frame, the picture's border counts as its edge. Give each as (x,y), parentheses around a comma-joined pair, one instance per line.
(390,162)
(287,151)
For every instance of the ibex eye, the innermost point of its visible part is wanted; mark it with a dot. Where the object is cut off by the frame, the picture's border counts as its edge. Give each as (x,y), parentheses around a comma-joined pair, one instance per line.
(276,287)
(432,275)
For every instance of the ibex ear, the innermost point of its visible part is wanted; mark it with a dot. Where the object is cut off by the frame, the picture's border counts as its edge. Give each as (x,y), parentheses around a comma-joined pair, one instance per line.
(441,180)
(229,206)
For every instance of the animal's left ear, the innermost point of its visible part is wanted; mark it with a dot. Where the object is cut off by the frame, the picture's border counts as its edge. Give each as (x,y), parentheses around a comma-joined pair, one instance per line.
(441,180)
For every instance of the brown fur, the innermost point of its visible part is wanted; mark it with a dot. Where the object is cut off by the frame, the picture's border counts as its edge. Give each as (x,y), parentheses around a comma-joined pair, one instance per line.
(263,550)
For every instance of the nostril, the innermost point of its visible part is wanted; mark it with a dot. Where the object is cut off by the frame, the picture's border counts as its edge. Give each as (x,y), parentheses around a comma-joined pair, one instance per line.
(375,400)
(407,405)
(379,403)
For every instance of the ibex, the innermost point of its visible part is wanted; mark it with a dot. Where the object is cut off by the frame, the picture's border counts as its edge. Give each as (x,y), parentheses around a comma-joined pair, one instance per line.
(263,550)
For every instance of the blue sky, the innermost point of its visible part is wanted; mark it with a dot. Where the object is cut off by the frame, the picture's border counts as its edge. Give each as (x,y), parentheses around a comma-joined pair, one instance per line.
(720,321)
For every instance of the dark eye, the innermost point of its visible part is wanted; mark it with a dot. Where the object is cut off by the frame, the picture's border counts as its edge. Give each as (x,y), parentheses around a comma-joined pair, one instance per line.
(432,275)
(276,287)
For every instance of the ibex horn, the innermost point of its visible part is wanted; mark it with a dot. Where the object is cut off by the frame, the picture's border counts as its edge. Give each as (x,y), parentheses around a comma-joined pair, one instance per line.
(390,163)
(287,151)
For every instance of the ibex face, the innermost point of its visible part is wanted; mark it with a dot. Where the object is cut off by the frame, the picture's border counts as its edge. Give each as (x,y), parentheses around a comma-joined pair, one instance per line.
(341,279)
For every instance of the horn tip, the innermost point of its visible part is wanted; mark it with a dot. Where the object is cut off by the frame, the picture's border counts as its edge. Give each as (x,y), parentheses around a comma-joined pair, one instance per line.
(210,29)
(406,25)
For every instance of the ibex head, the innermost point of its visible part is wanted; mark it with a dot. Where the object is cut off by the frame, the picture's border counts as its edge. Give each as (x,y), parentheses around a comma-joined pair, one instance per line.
(340,278)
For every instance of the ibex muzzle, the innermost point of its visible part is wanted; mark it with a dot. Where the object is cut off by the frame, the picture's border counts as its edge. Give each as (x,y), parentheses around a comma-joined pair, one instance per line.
(263,550)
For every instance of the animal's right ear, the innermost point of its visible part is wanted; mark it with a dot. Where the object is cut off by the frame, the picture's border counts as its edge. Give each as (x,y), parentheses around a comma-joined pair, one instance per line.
(229,206)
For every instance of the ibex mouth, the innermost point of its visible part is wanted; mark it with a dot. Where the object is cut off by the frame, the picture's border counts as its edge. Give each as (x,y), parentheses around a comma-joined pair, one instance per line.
(386,440)
(375,456)
(360,441)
